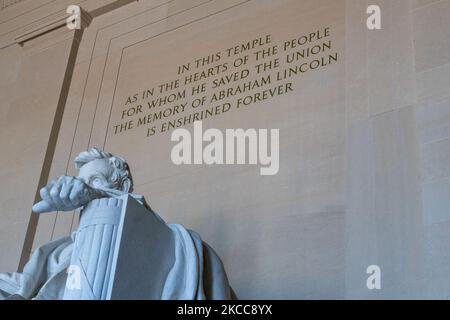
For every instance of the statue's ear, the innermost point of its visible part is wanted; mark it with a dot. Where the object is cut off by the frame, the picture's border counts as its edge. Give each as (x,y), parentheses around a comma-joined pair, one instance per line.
(127,185)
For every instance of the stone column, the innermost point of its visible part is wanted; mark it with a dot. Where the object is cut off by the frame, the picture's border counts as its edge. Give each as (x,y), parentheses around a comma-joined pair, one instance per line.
(45,52)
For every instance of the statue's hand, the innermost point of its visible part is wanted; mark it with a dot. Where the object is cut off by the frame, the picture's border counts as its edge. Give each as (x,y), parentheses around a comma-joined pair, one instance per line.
(65,194)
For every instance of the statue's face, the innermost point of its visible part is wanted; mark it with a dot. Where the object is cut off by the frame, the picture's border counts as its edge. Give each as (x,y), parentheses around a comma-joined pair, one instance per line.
(97,174)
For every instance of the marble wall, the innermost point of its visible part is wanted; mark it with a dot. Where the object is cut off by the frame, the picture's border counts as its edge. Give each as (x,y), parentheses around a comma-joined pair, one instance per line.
(363,174)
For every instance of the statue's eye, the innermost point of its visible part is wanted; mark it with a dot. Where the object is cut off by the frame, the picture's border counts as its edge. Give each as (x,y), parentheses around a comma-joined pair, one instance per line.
(97,181)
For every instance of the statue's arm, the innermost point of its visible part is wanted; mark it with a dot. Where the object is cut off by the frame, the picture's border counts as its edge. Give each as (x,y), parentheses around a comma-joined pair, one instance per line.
(66,194)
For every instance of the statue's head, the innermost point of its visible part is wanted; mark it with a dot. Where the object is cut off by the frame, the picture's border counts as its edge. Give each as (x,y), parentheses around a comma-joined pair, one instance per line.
(101,169)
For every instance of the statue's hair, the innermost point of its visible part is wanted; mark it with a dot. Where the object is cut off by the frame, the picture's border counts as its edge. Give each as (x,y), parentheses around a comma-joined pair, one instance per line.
(121,177)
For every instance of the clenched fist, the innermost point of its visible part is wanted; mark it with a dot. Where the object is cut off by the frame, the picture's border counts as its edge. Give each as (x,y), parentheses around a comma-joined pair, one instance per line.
(65,194)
